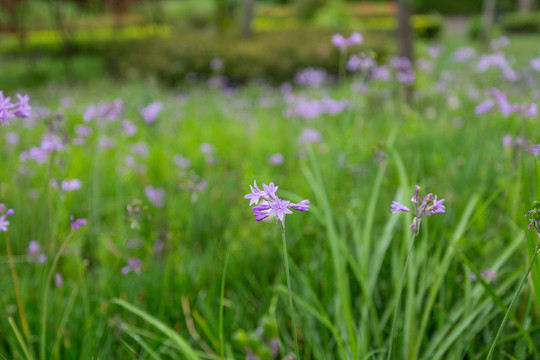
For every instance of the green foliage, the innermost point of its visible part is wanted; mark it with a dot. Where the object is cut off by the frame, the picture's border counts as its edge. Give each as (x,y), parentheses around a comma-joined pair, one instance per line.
(458,6)
(275,56)
(521,22)
(474,29)
(307,9)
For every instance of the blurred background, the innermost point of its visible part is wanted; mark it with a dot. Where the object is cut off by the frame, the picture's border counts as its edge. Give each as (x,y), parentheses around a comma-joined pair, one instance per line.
(175,41)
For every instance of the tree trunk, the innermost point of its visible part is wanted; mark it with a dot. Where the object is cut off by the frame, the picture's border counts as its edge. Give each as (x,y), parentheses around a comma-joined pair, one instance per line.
(405,35)
(525,6)
(488,17)
(247,18)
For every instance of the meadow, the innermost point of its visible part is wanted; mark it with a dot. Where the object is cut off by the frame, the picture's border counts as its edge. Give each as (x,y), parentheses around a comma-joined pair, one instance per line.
(167,260)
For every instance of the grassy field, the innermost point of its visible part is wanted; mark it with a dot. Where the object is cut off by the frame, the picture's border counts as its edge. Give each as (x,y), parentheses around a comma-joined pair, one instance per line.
(173,265)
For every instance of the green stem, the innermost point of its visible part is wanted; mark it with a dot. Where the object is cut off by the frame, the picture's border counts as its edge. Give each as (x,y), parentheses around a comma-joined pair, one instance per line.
(43,335)
(505,319)
(396,306)
(291,307)
(221,299)
(22,315)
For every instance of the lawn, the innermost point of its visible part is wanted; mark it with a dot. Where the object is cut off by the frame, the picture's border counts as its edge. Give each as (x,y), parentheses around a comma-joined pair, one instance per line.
(172,264)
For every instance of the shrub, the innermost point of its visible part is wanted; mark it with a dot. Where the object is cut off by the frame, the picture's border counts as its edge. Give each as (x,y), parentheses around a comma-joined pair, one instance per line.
(521,22)
(275,56)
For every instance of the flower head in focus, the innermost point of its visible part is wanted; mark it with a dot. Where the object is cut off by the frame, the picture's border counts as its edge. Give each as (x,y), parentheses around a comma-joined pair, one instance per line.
(421,207)
(10,110)
(271,204)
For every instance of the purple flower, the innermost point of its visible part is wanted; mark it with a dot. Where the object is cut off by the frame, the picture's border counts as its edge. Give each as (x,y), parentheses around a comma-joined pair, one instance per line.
(140,148)
(3,218)
(71,185)
(487,274)
(341,42)
(272,204)
(133,265)
(10,110)
(309,135)
(421,207)
(535,64)
(276,159)
(59,281)
(111,111)
(83,130)
(151,112)
(155,195)
(12,138)
(484,107)
(255,195)
(76,224)
(312,77)
(129,128)
(464,53)
(181,161)
(33,248)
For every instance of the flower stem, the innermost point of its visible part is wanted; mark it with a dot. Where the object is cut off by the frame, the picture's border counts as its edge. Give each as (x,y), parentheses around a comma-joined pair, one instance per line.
(291,306)
(43,335)
(505,319)
(24,322)
(396,307)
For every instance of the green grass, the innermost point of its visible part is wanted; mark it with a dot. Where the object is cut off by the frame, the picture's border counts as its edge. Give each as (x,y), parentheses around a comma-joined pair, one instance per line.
(220,275)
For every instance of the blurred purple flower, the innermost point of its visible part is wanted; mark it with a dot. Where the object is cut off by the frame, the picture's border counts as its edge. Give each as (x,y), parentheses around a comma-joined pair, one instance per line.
(110,111)
(12,138)
(313,77)
(155,195)
(485,106)
(59,281)
(276,159)
(83,130)
(309,135)
(487,274)
(181,161)
(151,112)
(133,265)
(71,185)
(3,218)
(342,43)
(535,64)
(129,128)
(76,224)
(140,148)
(464,53)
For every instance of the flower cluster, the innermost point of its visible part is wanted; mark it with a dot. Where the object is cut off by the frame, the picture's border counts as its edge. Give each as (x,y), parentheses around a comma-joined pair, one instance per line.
(534,214)
(342,42)
(110,111)
(501,103)
(271,205)
(10,110)
(3,217)
(520,143)
(422,207)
